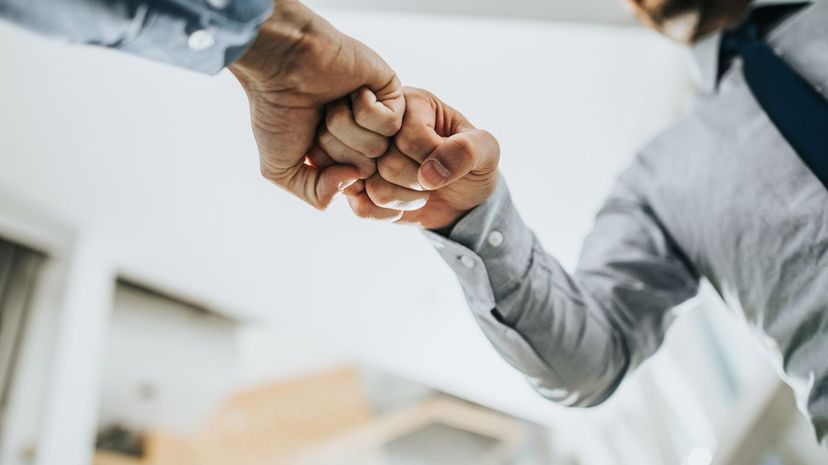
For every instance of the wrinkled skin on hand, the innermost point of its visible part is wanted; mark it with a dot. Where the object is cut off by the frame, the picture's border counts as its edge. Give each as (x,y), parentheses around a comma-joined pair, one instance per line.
(438,169)
(299,64)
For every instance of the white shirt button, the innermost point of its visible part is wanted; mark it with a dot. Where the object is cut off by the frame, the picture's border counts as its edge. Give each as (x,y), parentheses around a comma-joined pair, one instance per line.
(201,39)
(467,261)
(218,4)
(495,239)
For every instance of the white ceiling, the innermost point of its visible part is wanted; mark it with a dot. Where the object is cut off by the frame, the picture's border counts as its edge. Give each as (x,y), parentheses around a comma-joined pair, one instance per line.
(599,11)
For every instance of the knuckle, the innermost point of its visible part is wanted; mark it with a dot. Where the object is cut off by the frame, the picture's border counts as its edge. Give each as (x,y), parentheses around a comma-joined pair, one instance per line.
(393,123)
(379,192)
(354,190)
(419,92)
(406,141)
(389,168)
(496,156)
(367,167)
(326,140)
(366,116)
(488,135)
(492,139)
(337,116)
(496,145)
(461,152)
(494,148)
(376,148)
(361,209)
(392,168)
(377,120)
(465,148)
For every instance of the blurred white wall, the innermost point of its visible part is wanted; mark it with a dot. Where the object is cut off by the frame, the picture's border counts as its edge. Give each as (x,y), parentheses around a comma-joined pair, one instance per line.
(593,11)
(160,162)
(167,363)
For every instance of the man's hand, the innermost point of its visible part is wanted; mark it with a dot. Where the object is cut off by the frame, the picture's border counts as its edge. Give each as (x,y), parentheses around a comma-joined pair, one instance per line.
(439,168)
(298,65)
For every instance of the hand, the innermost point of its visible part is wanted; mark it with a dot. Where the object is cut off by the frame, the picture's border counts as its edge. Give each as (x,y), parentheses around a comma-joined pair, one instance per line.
(299,64)
(439,168)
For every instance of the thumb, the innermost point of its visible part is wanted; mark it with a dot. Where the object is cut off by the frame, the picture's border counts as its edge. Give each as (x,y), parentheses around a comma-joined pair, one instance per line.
(457,156)
(318,187)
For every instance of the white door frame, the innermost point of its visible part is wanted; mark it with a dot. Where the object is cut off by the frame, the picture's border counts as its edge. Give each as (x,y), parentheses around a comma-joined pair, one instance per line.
(53,401)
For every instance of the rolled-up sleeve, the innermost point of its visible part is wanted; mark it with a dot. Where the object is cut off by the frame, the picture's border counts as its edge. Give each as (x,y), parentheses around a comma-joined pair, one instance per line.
(574,336)
(201,35)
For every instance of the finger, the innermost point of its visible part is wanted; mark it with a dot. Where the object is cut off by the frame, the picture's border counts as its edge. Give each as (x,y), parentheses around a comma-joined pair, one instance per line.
(385,85)
(317,187)
(417,138)
(373,115)
(355,188)
(345,155)
(339,120)
(319,159)
(364,208)
(284,138)
(391,196)
(474,150)
(399,169)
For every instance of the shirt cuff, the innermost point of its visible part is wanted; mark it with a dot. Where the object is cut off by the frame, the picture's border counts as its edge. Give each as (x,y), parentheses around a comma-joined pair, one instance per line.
(490,250)
(203,36)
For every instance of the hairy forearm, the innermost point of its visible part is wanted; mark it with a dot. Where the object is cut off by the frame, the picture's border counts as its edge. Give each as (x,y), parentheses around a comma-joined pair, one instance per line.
(280,37)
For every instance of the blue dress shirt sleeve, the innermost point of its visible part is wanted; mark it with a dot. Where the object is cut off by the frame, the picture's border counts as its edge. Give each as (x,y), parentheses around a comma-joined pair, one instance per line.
(576,335)
(201,35)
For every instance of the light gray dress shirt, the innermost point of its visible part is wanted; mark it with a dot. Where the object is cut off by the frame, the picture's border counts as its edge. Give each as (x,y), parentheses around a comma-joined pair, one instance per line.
(201,35)
(720,196)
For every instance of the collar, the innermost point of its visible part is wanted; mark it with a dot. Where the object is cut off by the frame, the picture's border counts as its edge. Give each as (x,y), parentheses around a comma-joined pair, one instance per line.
(706,61)
(706,54)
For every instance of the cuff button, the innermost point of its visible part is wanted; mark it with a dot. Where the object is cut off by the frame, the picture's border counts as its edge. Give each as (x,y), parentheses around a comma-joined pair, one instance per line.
(495,239)
(467,261)
(200,40)
(218,4)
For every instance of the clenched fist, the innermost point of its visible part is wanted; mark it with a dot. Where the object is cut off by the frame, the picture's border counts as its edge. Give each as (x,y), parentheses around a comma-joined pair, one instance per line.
(438,168)
(298,65)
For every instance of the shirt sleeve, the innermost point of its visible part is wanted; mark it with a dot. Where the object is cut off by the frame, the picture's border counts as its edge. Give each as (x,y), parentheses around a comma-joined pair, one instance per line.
(576,335)
(201,35)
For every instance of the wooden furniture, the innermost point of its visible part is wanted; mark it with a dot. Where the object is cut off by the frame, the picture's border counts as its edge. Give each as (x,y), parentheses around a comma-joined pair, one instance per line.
(262,426)
(321,420)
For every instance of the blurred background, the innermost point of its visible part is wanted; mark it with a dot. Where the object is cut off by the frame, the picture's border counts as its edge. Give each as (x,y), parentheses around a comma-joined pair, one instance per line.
(161,304)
